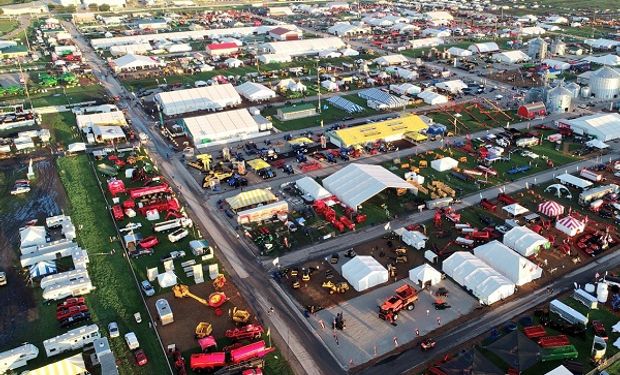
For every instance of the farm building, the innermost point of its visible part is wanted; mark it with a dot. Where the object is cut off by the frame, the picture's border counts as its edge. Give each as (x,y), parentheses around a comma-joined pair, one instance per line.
(255,92)
(284,33)
(485,283)
(488,47)
(432,98)
(532,110)
(516,268)
(364,272)
(357,183)
(524,241)
(251,198)
(210,98)
(426,42)
(73,365)
(511,57)
(71,340)
(388,131)
(346,29)
(222,49)
(311,190)
(605,83)
(379,99)
(296,112)
(304,47)
(263,212)
(224,127)
(131,62)
(390,60)
(425,275)
(603,126)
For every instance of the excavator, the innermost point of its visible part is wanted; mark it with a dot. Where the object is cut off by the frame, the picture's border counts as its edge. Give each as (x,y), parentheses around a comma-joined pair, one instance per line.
(202,163)
(215,300)
(341,287)
(214,176)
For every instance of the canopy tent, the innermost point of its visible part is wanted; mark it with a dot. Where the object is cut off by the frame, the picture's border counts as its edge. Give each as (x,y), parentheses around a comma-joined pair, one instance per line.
(551,208)
(570,226)
(132,62)
(309,187)
(515,209)
(524,241)
(558,190)
(470,362)
(444,164)
(516,350)
(560,370)
(488,285)
(32,236)
(595,143)
(424,274)
(250,198)
(167,279)
(210,98)
(42,268)
(357,183)
(569,179)
(255,91)
(364,272)
(345,104)
(73,365)
(513,266)
(432,98)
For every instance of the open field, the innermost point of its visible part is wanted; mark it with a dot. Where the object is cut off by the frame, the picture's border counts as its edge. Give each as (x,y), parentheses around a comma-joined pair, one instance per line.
(6,26)
(59,96)
(62,126)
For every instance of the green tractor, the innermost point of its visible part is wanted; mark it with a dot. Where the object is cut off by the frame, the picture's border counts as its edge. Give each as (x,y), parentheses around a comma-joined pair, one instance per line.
(46,80)
(69,79)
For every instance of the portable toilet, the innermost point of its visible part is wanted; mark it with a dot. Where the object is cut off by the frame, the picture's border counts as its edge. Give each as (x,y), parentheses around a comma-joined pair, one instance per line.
(164,312)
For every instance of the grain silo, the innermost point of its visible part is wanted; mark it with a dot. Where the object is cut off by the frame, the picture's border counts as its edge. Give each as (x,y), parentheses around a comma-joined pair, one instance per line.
(574,88)
(558,48)
(537,48)
(605,83)
(559,99)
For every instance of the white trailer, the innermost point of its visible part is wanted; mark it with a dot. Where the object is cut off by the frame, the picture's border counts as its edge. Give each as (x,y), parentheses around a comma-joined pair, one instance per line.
(63,278)
(568,313)
(53,250)
(587,196)
(18,357)
(178,235)
(439,203)
(172,224)
(74,288)
(590,175)
(586,298)
(72,340)
(164,312)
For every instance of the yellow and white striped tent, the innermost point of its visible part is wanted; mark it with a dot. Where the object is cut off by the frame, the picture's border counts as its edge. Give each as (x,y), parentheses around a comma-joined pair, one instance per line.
(250,198)
(73,365)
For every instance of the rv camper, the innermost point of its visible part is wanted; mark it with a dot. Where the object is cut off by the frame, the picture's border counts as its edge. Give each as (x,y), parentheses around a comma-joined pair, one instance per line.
(164,312)
(63,278)
(74,288)
(568,313)
(72,340)
(18,357)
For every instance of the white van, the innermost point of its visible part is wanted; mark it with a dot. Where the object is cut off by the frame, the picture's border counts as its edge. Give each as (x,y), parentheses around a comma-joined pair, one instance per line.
(132,341)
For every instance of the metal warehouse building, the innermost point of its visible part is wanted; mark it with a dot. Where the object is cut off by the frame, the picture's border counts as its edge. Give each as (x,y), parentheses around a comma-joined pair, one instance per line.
(389,131)
(210,98)
(604,126)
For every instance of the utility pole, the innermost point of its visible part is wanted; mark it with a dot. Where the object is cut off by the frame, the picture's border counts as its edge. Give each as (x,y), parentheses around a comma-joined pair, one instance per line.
(318,83)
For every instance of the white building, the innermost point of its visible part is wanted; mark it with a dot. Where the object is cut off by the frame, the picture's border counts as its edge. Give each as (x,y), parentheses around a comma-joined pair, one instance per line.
(345,29)
(513,266)
(304,47)
(255,92)
(426,42)
(432,98)
(224,127)
(603,126)
(364,272)
(210,98)
(511,57)
(72,340)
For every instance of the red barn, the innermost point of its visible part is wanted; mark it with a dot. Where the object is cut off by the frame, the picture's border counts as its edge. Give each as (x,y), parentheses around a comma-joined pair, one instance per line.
(282,33)
(532,110)
(222,49)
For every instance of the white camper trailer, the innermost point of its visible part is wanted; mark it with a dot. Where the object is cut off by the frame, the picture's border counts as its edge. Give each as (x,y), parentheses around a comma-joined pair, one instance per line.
(63,278)
(164,312)
(18,357)
(72,340)
(74,288)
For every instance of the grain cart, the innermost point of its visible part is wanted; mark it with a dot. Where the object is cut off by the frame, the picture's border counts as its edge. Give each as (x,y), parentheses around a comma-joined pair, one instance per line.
(404,298)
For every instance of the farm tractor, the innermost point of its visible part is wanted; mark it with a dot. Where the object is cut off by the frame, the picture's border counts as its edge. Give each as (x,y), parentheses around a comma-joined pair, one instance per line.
(341,287)
(250,331)
(404,298)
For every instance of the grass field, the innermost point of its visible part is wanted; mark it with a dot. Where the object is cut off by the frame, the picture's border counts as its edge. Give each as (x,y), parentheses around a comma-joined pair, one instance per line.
(473,120)
(6,26)
(57,96)
(62,125)
(117,297)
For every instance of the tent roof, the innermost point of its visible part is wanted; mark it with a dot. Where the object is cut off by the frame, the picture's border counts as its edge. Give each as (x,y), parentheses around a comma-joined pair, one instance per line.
(516,350)
(310,186)
(134,61)
(560,370)
(213,93)
(357,183)
(602,123)
(470,362)
(515,209)
(424,272)
(167,279)
(73,365)
(345,104)
(32,235)
(360,267)
(571,222)
(42,268)
(550,208)
(503,259)
(304,46)
(251,198)
(220,124)
(523,240)
(381,96)
(391,59)
(573,180)
(249,89)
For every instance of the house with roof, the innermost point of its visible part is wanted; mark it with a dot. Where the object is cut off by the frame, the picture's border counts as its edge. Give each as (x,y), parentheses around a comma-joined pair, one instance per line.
(222,49)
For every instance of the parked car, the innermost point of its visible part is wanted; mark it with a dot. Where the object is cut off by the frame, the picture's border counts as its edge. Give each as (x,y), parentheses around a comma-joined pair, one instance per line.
(147,288)
(2,279)
(599,329)
(113,330)
(140,357)
(132,341)
(75,319)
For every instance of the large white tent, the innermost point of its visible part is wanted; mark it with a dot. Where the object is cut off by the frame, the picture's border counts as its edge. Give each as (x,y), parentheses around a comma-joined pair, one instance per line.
(255,92)
(304,47)
(432,98)
(223,127)
(515,209)
(310,188)
(504,260)
(364,272)
(425,274)
(488,285)
(209,98)
(444,164)
(167,279)
(524,240)
(604,126)
(134,62)
(357,183)
(454,86)
(32,236)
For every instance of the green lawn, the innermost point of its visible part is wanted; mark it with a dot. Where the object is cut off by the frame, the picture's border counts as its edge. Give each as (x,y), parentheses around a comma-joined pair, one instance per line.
(6,26)
(578,4)
(62,125)
(472,120)
(117,297)
(57,96)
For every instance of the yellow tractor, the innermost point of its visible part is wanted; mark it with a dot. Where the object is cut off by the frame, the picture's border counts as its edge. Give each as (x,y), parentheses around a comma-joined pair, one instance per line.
(240,316)
(341,287)
(203,329)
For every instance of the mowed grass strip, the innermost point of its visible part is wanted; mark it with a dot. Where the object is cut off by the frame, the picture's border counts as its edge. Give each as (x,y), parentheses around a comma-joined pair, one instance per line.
(117,297)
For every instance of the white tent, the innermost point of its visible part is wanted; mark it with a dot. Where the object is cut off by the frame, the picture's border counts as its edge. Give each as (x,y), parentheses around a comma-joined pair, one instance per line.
(310,188)
(414,239)
(167,279)
(357,183)
(73,365)
(212,98)
(488,285)
(255,92)
(424,274)
(76,147)
(515,209)
(570,226)
(444,164)
(454,86)
(223,126)
(604,126)
(233,62)
(391,60)
(32,236)
(524,240)
(595,143)
(511,57)
(364,272)
(460,52)
(432,98)
(290,84)
(132,62)
(504,260)
(41,269)
(560,370)
(329,85)
(569,179)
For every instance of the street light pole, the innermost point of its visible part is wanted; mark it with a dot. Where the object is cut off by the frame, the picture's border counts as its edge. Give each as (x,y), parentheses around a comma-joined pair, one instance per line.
(318,83)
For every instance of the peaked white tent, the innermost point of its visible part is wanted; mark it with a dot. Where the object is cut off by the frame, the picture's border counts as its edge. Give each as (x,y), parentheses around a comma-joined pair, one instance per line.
(444,164)
(524,240)
(32,236)
(425,274)
(503,259)
(560,370)
(309,187)
(488,285)
(41,269)
(570,226)
(364,272)
(515,209)
(255,92)
(357,183)
(167,279)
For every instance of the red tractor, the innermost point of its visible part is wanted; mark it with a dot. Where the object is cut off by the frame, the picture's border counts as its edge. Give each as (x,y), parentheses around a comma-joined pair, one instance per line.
(404,298)
(250,331)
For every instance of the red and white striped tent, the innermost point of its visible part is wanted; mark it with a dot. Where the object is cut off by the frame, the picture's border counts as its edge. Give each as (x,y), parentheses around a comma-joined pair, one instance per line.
(551,209)
(570,226)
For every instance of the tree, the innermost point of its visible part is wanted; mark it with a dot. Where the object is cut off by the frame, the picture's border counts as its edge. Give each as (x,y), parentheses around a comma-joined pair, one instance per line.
(104,8)
(92,7)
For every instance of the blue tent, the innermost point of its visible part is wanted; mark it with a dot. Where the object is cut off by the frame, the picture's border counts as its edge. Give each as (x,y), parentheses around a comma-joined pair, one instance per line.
(41,269)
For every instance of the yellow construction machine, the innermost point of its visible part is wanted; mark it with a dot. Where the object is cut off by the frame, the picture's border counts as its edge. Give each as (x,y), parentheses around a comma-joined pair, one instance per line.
(202,162)
(341,287)
(240,316)
(203,329)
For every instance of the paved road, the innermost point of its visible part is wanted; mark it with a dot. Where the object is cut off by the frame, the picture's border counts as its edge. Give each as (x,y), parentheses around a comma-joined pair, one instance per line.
(289,328)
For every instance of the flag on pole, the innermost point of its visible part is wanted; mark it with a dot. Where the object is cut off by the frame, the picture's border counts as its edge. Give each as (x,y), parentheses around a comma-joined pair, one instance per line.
(321,122)
(269,335)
